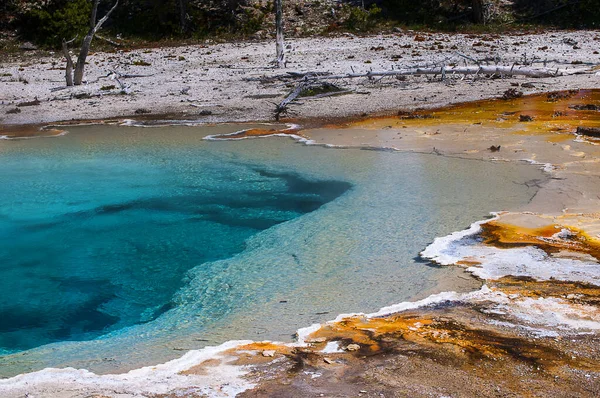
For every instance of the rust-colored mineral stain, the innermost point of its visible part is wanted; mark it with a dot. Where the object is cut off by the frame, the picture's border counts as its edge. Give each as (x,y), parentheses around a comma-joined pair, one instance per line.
(468,263)
(367,331)
(504,235)
(253,133)
(574,292)
(548,113)
(29,130)
(256,353)
(450,330)
(262,346)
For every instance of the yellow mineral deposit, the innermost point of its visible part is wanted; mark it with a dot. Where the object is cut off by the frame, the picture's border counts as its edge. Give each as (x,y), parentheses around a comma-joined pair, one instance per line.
(550,238)
(539,113)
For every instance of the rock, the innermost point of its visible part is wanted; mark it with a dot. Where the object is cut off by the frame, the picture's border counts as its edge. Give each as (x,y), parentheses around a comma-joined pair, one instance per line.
(28,46)
(327,360)
(142,111)
(317,340)
(268,353)
(35,102)
(512,93)
(205,113)
(586,107)
(352,347)
(494,148)
(82,95)
(527,85)
(259,35)
(525,118)
(14,110)
(397,30)
(589,131)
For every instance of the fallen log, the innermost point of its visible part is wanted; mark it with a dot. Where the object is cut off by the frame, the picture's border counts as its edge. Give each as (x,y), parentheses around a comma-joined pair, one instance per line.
(285,76)
(502,70)
(282,107)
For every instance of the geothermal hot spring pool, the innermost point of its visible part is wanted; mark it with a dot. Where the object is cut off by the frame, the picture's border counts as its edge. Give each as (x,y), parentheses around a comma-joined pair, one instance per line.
(127,246)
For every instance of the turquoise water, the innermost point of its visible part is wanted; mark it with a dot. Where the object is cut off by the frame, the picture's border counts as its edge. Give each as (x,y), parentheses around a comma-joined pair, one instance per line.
(124,246)
(94,242)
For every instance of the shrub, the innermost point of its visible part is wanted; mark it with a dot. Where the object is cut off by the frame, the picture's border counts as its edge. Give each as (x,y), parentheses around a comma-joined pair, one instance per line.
(426,12)
(50,24)
(561,13)
(362,20)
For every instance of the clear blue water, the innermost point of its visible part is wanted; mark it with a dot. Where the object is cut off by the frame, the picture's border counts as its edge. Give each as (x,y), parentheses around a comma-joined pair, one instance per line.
(94,242)
(122,247)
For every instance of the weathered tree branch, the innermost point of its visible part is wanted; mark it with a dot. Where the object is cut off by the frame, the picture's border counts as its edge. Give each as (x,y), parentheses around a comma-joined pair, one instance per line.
(87,41)
(282,107)
(109,41)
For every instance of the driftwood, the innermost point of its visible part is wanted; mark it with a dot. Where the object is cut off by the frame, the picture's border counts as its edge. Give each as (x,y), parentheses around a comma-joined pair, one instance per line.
(459,70)
(285,76)
(282,106)
(304,85)
(112,74)
(502,70)
(116,76)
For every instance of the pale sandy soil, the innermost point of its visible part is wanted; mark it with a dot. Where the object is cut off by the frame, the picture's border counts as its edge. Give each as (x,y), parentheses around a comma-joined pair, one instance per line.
(519,337)
(218,77)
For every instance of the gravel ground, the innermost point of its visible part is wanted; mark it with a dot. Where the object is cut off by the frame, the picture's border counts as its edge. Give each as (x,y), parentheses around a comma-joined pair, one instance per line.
(218,82)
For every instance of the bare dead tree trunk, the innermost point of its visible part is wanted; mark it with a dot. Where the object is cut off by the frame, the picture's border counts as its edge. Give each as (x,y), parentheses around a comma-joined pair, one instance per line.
(478,16)
(87,41)
(183,15)
(69,69)
(279,34)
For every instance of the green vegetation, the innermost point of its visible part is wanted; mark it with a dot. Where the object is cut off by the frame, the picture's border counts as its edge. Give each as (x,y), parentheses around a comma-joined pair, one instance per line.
(560,13)
(50,25)
(48,22)
(362,20)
